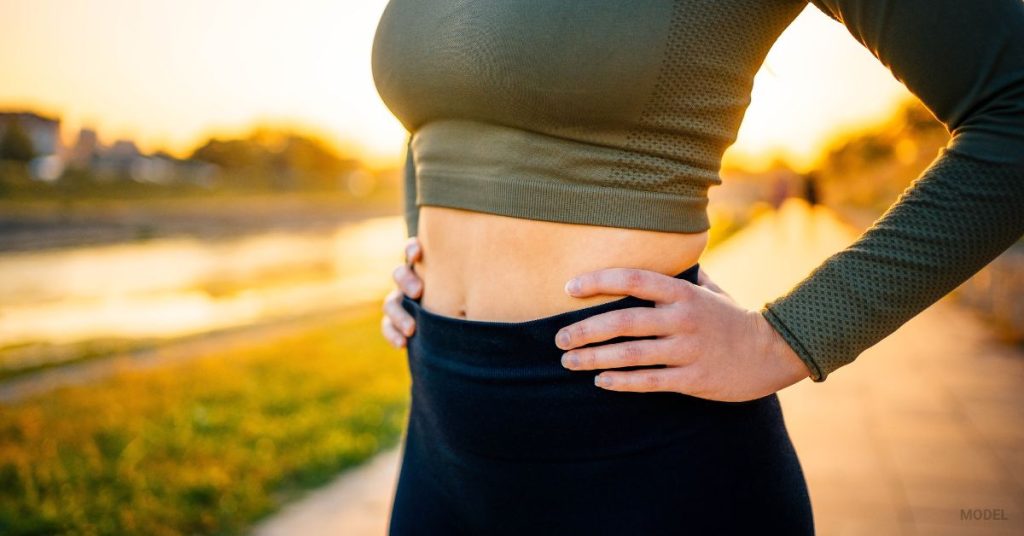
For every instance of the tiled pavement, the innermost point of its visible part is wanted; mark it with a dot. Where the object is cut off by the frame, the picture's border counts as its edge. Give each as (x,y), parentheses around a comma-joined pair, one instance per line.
(925,424)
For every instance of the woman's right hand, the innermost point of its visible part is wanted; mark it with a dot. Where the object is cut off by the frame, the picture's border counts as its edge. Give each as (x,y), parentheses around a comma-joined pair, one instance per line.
(397,324)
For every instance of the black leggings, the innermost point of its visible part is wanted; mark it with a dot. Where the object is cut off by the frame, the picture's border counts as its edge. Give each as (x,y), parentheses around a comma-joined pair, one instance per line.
(502,439)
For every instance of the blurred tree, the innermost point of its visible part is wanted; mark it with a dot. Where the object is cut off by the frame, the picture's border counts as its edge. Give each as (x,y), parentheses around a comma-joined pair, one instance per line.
(870,168)
(15,144)
(281,159)
(229,154)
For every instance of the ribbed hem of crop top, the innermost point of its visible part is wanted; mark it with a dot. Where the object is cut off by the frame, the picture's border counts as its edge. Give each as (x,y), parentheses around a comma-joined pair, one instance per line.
(947,225)
(483,167)
(565,202)
(515,196)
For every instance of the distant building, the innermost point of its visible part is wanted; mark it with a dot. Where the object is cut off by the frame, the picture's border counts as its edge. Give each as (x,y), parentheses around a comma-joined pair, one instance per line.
(43,131)
(117,160)
(122,150)
(85,150)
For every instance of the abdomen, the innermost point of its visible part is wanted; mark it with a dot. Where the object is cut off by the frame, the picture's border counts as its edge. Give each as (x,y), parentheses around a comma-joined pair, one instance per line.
(482,266)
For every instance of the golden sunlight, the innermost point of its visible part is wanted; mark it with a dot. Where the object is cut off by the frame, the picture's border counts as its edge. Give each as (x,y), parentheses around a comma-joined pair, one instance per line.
(170,74)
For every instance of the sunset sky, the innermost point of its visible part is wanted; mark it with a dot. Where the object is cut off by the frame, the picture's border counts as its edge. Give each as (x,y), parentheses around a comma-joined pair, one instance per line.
(170,73)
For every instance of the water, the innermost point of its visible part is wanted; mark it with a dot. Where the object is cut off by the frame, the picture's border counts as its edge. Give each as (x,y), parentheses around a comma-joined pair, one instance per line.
(175,287)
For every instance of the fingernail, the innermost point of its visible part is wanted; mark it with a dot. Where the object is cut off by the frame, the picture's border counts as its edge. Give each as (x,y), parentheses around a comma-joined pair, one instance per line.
(601,381)
(570,360)
(414,287)
(562,339)
(572,287)
(407,327)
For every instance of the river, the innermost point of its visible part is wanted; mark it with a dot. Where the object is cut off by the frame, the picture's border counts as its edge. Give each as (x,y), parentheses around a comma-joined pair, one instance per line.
(180,286)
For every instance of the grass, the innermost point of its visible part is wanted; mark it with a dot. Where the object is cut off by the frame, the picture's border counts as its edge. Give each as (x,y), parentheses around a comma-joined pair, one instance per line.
(203,447)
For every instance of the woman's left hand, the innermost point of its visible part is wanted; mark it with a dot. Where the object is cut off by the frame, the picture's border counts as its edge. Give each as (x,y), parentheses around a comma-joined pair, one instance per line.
(711,347)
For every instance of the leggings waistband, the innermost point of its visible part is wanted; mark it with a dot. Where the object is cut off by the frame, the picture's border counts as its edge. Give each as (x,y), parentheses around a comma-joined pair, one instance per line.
(497,342)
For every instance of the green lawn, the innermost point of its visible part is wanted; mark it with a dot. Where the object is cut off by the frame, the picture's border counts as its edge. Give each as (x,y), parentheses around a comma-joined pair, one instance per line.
(206,446)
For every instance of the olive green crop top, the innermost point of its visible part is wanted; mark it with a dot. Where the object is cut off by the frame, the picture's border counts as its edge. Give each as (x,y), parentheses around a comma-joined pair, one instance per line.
(617,113)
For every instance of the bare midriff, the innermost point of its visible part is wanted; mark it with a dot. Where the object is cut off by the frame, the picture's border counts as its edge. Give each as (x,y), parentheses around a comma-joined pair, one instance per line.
(483,266)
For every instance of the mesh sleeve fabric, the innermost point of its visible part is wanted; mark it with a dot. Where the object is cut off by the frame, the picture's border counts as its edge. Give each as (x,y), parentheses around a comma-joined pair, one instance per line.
(959,215)
(965,61)
(409,207)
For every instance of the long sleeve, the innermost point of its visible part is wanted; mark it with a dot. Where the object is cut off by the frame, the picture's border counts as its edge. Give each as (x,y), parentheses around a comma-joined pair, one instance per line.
(411,211)
(965,61)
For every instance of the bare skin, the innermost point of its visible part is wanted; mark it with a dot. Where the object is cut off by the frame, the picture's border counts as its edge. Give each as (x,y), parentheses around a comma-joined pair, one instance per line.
(480,266)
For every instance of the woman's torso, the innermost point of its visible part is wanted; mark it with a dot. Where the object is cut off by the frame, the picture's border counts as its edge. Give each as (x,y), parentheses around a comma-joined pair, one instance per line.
(482,266)
(572,135)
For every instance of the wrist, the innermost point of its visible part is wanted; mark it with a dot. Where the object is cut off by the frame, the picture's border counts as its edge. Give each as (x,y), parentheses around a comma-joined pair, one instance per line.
(781,353)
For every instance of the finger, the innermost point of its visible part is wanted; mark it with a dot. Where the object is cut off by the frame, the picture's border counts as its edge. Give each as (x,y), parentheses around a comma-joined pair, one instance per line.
(641,381)
(407,280)
(391,334)
(644,284)
(400,318)
(413,251)
(625,354)
(630,322)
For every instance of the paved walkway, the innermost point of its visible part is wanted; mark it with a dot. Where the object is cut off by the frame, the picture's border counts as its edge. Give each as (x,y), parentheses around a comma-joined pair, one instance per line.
(928,422)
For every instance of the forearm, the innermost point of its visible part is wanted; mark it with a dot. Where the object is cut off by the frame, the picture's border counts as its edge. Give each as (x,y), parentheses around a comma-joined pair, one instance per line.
(958,216)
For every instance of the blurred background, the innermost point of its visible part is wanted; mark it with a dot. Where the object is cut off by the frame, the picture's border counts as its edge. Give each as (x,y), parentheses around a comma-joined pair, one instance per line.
(200,211)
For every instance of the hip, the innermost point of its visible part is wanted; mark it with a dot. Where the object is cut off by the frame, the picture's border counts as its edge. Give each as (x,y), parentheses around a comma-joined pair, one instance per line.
(502,439)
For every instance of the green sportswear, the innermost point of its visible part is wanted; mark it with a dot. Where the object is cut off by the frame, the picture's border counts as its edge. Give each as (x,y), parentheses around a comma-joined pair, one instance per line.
(617,113)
